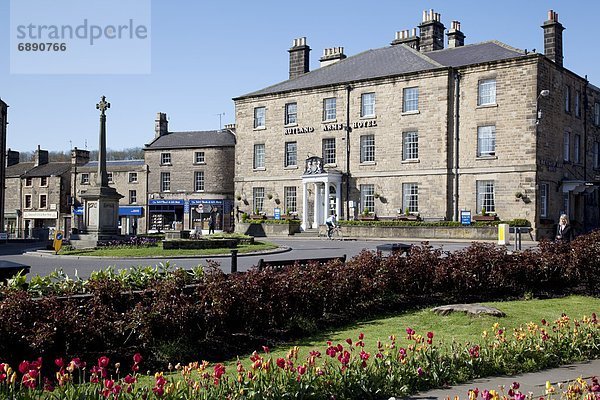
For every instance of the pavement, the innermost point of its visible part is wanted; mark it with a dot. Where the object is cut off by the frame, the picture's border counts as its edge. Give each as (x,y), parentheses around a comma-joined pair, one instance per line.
(534,382)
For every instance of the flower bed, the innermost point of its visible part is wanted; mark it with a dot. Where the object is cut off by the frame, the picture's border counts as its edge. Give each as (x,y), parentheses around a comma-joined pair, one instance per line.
(222,315)
(336,371)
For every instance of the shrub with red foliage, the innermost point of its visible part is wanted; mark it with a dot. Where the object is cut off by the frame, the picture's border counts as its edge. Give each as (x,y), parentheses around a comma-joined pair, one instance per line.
(223,314)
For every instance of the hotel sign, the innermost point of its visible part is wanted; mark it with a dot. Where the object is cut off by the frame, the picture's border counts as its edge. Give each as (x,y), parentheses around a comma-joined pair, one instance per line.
(297,131)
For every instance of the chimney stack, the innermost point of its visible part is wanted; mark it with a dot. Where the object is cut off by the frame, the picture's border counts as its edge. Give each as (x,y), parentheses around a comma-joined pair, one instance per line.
(409,38)
(332,55)
(299,58)
(432,32)
(12,157)
(455,37)
(553,48)
(41,157)
(161,125)
(79,157)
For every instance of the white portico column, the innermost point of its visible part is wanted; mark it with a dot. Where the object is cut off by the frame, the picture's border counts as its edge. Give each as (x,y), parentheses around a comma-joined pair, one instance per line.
(338,200)
(316,206)
(326,200)
(304,205)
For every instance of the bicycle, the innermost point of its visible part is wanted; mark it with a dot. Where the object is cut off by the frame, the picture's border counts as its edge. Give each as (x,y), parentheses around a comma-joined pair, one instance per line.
(337,234)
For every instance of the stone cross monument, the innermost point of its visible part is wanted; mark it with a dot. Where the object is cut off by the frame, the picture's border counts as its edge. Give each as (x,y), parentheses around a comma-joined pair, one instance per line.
(100,202)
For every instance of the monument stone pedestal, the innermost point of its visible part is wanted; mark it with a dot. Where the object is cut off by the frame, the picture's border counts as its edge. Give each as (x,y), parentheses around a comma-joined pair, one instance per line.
(101,218)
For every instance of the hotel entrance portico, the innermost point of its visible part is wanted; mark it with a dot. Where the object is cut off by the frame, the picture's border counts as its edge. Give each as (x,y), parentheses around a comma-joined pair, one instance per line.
(322,188)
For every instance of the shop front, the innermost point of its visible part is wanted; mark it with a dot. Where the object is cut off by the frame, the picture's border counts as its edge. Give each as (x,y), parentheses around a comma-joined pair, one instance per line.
(129,219)
(204,211)
(165,214)
(39,224)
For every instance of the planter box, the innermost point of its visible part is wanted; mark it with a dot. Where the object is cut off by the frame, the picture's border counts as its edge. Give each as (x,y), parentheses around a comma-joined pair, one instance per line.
(265,230)
(368,218)
(482,218)
(408,218)
(422,232)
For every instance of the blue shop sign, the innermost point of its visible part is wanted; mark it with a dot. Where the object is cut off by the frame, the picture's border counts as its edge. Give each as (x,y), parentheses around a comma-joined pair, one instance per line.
(131,210)
(195,202)
(465,217)
(78,211)
(165,202)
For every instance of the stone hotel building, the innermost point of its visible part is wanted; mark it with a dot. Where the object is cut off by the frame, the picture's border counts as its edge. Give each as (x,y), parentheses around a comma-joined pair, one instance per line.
(426,129)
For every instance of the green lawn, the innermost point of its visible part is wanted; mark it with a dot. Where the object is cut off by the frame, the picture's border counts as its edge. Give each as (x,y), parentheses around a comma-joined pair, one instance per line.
(158,251)
(457,326)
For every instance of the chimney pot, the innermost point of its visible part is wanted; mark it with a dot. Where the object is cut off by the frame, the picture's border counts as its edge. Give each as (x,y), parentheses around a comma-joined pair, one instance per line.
(161,125)
(553,43)
(431,32)
(332,55)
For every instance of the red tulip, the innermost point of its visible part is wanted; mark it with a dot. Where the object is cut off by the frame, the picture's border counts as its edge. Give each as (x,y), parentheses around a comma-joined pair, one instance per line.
(137,358)
(103,362)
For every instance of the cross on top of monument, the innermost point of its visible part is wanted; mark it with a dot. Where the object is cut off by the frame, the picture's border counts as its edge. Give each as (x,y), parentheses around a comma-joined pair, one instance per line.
(103,105)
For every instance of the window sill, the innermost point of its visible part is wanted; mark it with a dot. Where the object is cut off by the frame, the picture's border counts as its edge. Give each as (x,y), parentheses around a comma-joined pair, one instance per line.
(330,165)
(166,165)
(366,163)
(329,121)
(410,112)
(411,161)
(259,169)
(485,157)
(494,105)
(374,116)
(260,128)
(290,125)
(291,167)
(199,163)
(198,191)
(133,183)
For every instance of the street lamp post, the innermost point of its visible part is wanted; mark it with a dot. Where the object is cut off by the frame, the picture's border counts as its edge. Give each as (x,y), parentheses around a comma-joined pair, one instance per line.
(538,117)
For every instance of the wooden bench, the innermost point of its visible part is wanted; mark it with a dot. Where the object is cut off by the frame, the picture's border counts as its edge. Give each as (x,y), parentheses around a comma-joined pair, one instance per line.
(303,262)
(8,269)
(390,248)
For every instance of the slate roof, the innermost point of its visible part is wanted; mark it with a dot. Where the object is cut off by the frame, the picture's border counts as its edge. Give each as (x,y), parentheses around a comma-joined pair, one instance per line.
(18,169)
(392,61)
(193,139)
(50,169)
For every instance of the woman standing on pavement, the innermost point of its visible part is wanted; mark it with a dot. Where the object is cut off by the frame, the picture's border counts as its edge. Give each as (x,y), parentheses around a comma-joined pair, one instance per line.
(564,231)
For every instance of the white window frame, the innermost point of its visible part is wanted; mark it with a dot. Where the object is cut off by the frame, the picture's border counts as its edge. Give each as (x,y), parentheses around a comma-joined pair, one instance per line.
(486,92)
(367,104)
(199,157)
(132,196)
(567,99)
(28,199)
(544,200)
(566,204)
(329,151)
(259,156)
(410,99)
(44,181)
(367,197)
(85,178)
(165,158)
(133,177)
(330,109)
(260,114)
(410,197)
(577,103)
(28,182)
(290,154)
(410,145)
(567,146)
(367,148)
(45,197)
(291,113)
(486,195)
(198,181)
(290,199)
(576,148)
(258,199)
(486,141)
(165,181)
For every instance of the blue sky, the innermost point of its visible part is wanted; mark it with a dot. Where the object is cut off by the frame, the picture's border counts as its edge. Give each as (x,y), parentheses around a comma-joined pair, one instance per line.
(204,53)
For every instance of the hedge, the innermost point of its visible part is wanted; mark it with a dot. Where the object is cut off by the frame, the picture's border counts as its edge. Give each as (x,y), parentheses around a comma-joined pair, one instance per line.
(221,315)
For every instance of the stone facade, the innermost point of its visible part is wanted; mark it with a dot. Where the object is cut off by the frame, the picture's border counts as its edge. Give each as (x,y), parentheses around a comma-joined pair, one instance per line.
(129,178)
(200,169)
(520,166)
(3,124)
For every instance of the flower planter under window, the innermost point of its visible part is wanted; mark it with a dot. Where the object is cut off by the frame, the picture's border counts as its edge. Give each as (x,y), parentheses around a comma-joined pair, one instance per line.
(484,218)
